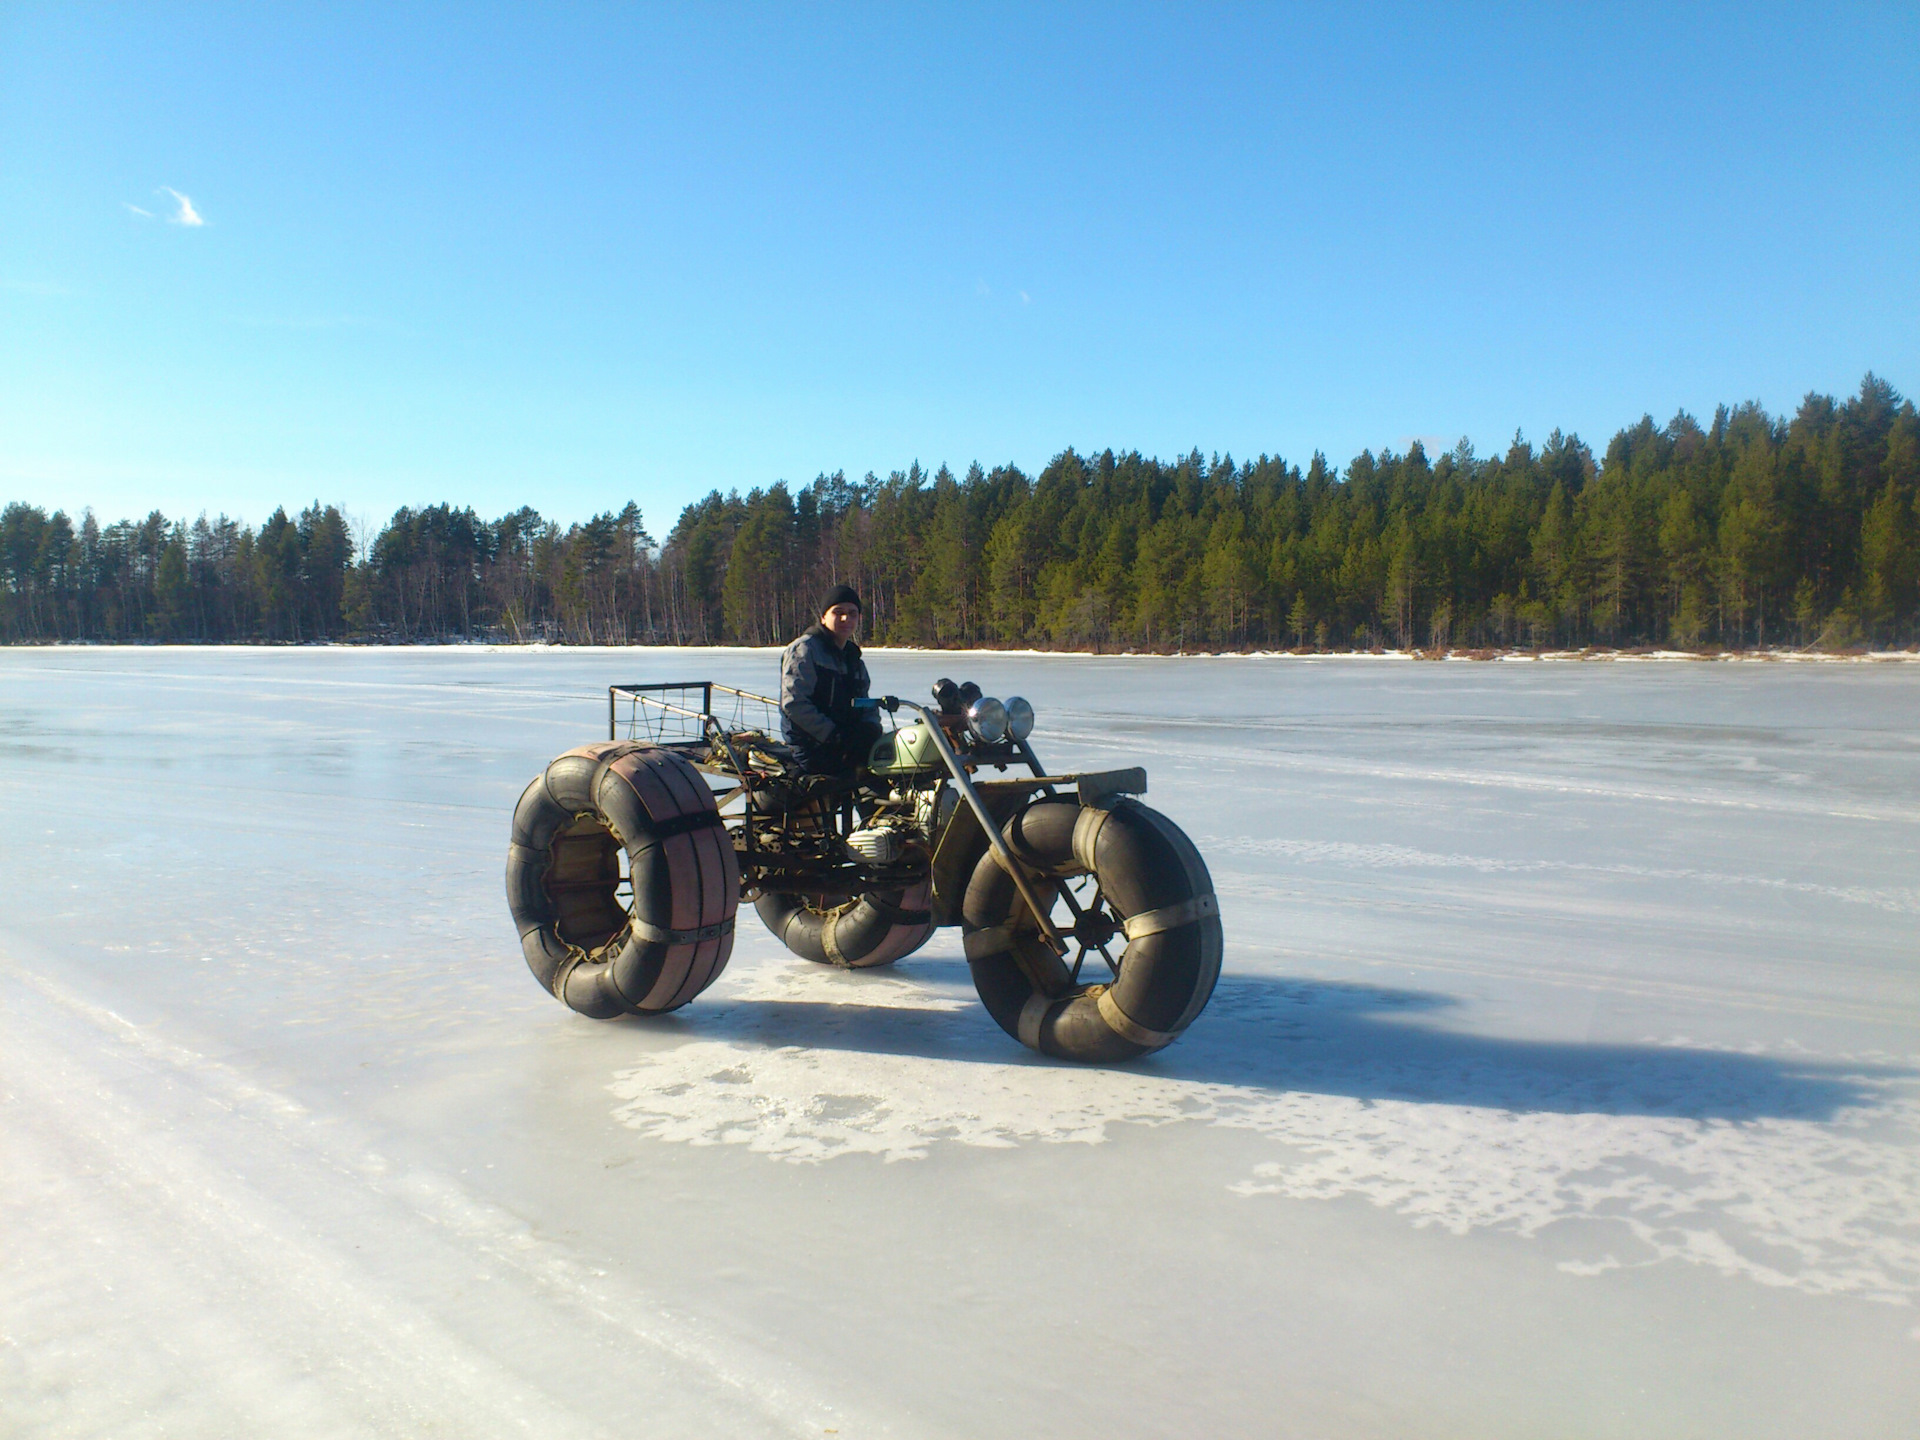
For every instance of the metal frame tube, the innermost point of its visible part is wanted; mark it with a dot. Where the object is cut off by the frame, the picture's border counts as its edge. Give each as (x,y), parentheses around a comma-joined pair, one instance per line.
(1014,868)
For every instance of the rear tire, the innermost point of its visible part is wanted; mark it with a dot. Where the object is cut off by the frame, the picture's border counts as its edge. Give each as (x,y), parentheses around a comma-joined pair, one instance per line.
(1151,894)
(862,934)
(601,955)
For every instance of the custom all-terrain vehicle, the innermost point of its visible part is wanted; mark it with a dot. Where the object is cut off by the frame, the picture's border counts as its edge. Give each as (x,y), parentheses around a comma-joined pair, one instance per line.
(630,857)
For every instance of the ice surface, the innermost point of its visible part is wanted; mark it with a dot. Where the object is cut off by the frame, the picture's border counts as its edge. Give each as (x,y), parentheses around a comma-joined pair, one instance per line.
(1564,1078)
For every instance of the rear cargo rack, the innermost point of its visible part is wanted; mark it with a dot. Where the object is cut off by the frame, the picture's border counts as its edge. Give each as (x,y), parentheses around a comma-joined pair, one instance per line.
(674,713)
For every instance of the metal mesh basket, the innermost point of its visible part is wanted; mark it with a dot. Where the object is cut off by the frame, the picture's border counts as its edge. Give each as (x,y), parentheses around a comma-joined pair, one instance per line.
(688,713)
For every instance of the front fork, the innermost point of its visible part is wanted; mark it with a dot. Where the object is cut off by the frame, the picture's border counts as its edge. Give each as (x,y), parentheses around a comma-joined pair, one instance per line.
(964,783)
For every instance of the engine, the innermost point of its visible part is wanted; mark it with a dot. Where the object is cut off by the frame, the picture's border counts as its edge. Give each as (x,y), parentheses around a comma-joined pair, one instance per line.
(884,841)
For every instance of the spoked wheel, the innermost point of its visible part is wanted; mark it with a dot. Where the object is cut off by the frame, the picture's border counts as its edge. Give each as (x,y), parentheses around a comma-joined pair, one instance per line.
(1131,897)
(1084,917)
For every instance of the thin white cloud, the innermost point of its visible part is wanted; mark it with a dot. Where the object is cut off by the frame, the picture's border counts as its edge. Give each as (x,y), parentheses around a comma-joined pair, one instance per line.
(980,287)
(136,209)
(186,214)
(1025,298)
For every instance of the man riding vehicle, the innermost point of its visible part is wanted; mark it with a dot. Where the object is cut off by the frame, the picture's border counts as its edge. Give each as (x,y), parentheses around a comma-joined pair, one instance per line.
(629,857)
(822,681)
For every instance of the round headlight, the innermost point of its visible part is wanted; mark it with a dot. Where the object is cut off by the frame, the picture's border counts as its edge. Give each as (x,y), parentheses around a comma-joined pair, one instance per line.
(987,718)
(1019,718)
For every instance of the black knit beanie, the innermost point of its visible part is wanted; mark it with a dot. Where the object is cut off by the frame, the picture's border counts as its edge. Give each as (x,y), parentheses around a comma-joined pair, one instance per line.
(841,595)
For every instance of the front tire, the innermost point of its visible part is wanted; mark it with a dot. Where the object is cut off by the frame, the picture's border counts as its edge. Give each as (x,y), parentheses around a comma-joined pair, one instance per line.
(1150,907)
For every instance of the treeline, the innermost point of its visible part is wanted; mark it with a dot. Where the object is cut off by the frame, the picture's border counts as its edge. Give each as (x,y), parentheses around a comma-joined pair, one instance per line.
(1750,531)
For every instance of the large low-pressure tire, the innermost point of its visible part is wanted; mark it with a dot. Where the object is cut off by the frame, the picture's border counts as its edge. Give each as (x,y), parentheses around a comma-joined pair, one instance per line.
(873,930)
(1150,890)
(591,949)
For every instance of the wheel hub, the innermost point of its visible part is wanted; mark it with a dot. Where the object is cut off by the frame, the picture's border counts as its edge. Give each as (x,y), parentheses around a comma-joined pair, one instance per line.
(1095,928)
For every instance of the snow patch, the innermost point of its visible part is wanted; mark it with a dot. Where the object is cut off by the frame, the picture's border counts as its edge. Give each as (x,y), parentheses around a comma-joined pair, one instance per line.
(1824,1206)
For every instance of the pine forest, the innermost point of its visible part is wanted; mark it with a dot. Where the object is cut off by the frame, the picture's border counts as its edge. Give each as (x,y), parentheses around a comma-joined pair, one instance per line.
(1750,531)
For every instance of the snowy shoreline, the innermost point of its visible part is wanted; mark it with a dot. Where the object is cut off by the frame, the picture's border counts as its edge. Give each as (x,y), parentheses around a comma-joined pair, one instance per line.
(1456,655)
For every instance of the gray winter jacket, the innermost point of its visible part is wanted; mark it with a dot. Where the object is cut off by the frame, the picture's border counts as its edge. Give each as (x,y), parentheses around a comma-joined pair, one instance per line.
(819,681)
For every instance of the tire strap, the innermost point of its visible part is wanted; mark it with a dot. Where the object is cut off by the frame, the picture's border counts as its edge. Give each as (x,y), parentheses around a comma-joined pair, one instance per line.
(989,941)
(655,935)
(1123,1025)
(681,824)
(1004,939)
(830,940)
(1026,857)
(896,914)
(1171,917)
(1086,835)
(1031,1014)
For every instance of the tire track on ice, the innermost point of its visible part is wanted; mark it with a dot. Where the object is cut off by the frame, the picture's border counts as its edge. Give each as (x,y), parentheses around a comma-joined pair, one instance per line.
(306,1286)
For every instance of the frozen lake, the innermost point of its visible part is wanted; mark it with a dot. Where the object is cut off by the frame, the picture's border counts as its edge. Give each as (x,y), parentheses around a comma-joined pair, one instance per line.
(1563,1079)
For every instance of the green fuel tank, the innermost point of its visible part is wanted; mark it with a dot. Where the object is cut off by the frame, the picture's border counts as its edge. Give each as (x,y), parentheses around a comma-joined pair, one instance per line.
(907,751)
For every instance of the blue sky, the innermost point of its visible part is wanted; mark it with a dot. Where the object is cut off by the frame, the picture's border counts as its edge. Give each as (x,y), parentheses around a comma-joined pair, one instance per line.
(571,257)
